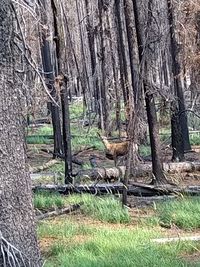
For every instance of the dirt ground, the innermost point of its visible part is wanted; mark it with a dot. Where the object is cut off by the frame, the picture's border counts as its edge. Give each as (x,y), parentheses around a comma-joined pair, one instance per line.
(36,158)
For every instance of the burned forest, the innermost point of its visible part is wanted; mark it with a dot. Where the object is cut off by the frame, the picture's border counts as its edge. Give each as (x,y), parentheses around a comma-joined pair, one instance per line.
(99,127)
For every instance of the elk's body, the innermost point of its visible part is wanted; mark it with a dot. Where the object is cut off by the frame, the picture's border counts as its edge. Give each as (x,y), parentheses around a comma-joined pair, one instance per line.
(115,150)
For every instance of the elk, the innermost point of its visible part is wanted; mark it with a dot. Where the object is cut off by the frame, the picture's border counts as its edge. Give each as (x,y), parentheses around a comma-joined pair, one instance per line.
(115,150)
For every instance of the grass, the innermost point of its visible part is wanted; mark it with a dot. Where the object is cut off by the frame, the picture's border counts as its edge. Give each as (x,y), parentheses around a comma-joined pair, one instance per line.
(195,139)
(184,213)
(107,209)
(82,245)
(76,110)
(45,130)
(47,200)
(38,140)
(58,167)
(71,241)
(144,150)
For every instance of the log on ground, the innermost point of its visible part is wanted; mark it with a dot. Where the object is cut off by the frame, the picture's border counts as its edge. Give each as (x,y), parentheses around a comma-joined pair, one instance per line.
(115,173)
(59,212)
(116,188)
(44,166)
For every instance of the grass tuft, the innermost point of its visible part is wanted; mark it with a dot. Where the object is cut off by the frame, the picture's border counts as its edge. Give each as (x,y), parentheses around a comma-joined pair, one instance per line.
(107,209)
(184,213)
(47,200)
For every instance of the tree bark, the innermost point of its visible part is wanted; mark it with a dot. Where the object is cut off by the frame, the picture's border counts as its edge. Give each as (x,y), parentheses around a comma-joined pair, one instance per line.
(180,133)
(157,168)
(50,76)
(17,219)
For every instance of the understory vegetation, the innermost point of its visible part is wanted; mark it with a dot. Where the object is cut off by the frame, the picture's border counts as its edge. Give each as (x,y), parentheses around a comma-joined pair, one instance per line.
(106,235)
(102,232)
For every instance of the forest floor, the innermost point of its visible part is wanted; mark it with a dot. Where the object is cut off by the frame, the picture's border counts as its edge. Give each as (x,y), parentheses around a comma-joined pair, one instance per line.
(90,238)
(36,157)
(102,233)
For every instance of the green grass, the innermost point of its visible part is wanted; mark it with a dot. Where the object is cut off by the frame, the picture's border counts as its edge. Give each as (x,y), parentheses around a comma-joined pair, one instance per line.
(73,242)
(195,139)
(47,200)
(89,246)
(38,140)
(107,209)
(58,167)
(76,110)
(184,213)
(45,130)
(144,150)
(85,138)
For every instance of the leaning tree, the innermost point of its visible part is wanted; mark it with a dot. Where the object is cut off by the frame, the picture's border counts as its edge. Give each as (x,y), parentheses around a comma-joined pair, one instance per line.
(18,243)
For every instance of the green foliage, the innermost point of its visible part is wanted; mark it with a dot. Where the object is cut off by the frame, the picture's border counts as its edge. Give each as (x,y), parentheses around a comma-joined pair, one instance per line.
(63,229)
(76,110)
(58,167)
(47,200)
(45,130)
(38,140)
(185,212)
(195,139)
(91,246)
(144,150)
(107,209)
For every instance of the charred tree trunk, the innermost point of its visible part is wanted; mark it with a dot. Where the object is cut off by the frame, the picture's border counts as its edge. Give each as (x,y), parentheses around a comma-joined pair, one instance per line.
(121,52)
(17,219)
(133,48)
(49,75)
(66,133)
(180,133)
(102,89)
(157,167)
(90,33)
(61,85)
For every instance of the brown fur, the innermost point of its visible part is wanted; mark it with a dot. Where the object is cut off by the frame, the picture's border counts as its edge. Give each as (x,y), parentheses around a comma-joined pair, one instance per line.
(115,150)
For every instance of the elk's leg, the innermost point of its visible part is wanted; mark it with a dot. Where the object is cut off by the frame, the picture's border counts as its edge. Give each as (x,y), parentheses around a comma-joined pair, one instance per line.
(115,159)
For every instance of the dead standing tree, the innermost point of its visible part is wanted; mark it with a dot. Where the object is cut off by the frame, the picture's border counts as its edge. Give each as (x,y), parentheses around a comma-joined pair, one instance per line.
(49,73)
(17,220)
(144,35)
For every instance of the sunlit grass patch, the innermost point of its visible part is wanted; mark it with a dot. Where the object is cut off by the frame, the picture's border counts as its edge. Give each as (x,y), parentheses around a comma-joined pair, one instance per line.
(45,130)
(184,212)
(36,139)
(113,247)
(108,209)
(44,200)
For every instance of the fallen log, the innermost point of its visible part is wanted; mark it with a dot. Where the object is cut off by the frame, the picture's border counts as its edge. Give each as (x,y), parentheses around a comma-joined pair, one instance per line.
(176,239)
(44,166)
(117,188)
(58,212)
(145,169)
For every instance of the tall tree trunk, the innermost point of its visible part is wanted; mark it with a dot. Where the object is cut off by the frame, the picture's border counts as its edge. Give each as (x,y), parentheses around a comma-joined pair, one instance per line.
(122,58)
(102,60)
(50,76)
(179,122)
(91,43)
(61,84)
(17,219)
(149,98)
(66,133)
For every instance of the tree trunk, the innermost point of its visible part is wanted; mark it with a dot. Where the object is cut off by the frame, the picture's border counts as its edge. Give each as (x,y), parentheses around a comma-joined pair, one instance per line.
(157,168)
(17,219)
(66,133)
(180,138)
(50,76)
